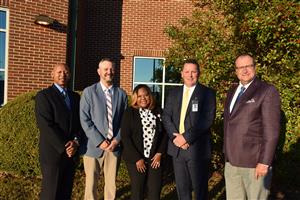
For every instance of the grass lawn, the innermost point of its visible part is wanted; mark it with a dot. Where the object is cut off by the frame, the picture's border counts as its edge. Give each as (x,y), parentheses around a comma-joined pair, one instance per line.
(25,188)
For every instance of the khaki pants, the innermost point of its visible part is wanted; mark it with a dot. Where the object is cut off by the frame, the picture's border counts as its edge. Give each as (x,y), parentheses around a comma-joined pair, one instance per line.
(92,167)
(241,183)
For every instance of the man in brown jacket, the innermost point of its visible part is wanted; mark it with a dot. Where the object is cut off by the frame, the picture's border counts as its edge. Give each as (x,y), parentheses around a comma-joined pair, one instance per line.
(251,131)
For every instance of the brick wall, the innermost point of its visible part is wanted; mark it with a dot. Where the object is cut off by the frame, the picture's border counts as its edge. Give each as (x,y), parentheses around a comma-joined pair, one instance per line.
(107,28)
(33,49)
(143,23)
(98,36)
(4,3)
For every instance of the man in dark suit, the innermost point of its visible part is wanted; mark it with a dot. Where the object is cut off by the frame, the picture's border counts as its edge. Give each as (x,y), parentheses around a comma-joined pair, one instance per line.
(57,115)
(251,131)
(188,115)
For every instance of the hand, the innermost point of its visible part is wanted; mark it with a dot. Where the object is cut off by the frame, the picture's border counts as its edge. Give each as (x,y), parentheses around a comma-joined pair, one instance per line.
(156,161)
(140,166)
(111,147)
(185,146)
(261,170)
(104,144)
(71,148)
(179,140)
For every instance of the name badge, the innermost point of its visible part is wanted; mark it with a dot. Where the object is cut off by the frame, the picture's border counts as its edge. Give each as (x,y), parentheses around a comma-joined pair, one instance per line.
(194,105)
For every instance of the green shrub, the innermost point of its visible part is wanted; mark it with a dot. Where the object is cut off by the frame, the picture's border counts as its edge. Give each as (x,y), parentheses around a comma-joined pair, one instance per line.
(220,30)
(19,137)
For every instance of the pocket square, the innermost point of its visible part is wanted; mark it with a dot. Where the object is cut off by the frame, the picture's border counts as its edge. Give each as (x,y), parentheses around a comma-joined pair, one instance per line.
(250,101)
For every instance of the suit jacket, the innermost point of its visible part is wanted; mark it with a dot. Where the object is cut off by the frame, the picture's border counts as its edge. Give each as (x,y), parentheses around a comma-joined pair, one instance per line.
(57,124)
(132,136)
(252,129)
(93,117)
(197,123)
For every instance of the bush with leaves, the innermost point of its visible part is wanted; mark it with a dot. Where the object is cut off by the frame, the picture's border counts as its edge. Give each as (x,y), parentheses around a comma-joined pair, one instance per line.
(19,137)
(219,30)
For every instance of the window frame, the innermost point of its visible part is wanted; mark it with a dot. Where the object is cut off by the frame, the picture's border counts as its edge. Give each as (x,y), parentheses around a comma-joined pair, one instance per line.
(5,70)
(163,84)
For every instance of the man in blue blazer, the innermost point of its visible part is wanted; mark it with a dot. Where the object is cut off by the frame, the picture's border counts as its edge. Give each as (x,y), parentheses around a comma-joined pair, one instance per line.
(188,115)
(101,109)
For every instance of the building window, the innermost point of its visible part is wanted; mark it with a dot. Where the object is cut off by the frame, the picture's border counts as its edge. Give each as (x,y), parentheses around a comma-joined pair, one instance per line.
(3,53)
(152,72)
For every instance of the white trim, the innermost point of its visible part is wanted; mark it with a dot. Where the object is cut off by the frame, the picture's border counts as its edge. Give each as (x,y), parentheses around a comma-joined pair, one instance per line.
(151,83)
(162,84)
(6,54)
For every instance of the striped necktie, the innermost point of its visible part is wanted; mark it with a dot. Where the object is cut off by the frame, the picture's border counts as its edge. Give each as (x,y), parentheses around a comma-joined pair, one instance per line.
(109,114)
(184,105)
(242,90)
(240,94)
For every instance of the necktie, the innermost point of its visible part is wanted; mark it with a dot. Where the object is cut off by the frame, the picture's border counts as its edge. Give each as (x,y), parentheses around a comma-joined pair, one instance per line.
(66,98)
(240,94)
(184,105)
(109,114)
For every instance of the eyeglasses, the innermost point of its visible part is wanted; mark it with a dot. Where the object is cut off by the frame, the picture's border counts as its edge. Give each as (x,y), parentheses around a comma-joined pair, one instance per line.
(244,67)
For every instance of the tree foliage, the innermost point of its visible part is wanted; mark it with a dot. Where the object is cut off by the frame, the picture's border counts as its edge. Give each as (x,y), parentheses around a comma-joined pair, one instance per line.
(219,30)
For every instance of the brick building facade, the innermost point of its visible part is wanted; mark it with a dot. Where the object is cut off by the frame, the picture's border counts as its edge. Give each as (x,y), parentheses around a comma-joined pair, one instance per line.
(123,30)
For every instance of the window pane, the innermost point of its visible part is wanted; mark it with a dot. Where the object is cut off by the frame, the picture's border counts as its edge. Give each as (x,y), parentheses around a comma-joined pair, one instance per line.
(156,92)
(1,87)
(2,50)
(2,19)
(173,74)
(148,70)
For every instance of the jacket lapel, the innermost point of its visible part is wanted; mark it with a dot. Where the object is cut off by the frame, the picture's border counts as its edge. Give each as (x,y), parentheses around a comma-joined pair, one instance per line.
(102,102)
(248,93)
(59,96)
(229,99)
(179,103)
(63,106)
(115,98)
(197,96)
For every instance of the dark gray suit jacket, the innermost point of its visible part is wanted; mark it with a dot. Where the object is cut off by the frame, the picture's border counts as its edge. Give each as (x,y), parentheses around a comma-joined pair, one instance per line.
(93,116)
(197,123)
(252,129)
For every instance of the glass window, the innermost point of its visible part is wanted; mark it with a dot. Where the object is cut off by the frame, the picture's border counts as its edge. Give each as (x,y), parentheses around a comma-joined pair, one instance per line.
(3,52)
(2,49)
(2,19)
(152,72)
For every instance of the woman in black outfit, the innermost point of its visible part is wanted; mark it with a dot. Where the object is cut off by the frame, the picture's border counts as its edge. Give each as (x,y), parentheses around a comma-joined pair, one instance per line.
(144,142)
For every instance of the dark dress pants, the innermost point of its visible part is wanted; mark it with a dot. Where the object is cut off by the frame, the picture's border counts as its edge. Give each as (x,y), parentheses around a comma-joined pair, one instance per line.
(149,182)
(191,175)
(57,179)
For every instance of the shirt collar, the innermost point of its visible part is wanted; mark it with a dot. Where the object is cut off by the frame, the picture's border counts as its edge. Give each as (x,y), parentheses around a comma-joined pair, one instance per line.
(245,86)
(105,88)
(60,88)
(191,89)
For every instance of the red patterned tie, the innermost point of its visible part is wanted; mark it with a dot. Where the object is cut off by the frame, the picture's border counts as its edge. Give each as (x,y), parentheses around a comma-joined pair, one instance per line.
(109,114)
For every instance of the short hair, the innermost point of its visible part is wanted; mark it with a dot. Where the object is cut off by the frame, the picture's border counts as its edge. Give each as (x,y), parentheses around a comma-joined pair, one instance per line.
(61,64)
(58,65)
(191,61)
(135,96)
(245,55)
(107,60)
